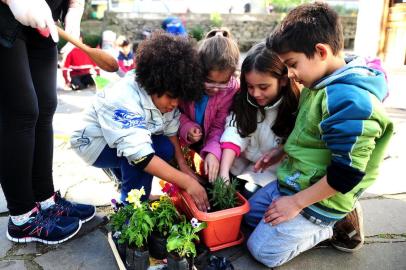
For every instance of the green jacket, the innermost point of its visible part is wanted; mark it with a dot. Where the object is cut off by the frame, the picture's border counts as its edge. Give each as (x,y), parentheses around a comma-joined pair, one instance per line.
(341,130)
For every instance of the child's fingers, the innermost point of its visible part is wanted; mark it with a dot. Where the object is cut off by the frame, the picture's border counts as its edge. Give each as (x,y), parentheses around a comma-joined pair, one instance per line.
(258,165)
(206,168)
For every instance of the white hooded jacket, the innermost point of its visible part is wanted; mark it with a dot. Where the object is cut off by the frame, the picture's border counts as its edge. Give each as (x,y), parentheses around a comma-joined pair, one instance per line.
(253,147)
(122,116)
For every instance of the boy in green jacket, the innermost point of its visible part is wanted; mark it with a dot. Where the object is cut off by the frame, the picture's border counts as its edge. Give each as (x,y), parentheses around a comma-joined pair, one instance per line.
(334,151)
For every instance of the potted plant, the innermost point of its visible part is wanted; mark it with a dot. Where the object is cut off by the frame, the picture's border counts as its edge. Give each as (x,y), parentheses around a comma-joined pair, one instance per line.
(181,244)
(224,220)
(223,194)
(118,222)
(166,216)
(137,232)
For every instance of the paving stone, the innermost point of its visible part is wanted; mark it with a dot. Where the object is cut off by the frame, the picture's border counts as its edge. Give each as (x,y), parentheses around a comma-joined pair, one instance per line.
(370,257)
(390,181)
(247,262)
(92,192)
(28,248)
(384,216)
(12,265)
(92,224)
(5,244)
(90,251)
(3,203)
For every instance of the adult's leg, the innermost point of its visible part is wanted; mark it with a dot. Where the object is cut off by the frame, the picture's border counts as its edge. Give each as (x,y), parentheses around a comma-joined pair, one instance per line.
(43,67)
(18,117)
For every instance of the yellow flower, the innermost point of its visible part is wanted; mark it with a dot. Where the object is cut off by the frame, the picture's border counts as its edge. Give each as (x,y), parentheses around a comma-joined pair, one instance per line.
(162,197)
(154,205)
(134,196)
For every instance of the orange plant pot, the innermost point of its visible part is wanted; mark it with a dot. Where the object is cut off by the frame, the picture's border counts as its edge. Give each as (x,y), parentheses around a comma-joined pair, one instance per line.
(223,227)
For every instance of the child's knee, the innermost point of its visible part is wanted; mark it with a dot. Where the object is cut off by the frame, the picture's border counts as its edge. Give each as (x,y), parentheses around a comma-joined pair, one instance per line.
(267,255)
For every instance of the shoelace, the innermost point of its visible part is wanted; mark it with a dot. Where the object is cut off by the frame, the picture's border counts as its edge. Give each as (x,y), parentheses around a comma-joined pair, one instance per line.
(42,221)
(61,204)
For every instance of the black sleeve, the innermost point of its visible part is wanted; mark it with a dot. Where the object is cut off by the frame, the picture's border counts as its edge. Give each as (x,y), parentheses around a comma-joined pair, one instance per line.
(142,162)
(343,178)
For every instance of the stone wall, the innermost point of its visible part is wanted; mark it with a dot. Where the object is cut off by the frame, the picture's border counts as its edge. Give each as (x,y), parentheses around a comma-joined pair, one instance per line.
(247,29)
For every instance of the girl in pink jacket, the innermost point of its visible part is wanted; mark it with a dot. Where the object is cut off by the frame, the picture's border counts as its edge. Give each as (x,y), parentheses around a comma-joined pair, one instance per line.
(202,122)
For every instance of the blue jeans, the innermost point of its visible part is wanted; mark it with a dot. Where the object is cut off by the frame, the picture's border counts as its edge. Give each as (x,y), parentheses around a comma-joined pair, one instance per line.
(275,245)
(130,176)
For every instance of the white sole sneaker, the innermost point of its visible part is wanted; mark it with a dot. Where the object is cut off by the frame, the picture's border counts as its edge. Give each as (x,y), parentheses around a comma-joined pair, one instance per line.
(34,239)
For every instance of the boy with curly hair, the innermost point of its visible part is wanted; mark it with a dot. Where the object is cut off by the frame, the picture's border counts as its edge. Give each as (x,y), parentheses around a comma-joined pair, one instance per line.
(334,150)
(132,125)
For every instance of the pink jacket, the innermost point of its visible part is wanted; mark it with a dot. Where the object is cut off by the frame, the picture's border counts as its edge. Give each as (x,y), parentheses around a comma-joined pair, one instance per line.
(215,115)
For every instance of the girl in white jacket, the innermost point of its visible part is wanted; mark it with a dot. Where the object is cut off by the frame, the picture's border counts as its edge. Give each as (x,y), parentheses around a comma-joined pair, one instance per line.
(262,116)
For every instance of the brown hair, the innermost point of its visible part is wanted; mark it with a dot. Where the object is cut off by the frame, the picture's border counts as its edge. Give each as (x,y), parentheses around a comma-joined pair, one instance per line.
(219,51)
(304,27)
(263,60)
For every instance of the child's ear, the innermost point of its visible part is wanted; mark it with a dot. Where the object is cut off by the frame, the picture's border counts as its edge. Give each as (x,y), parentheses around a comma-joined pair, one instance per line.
(322,50)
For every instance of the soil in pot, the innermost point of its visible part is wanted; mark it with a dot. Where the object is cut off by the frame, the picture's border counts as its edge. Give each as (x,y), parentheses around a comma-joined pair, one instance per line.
(157,246)
(136,259)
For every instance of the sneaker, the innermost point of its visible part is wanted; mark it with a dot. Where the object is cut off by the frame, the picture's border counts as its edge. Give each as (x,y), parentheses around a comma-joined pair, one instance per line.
(348,233)
(66,208)
(44,228)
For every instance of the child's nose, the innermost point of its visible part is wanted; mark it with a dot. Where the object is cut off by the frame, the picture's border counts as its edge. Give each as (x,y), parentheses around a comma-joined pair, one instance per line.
(291,75)
(175,102)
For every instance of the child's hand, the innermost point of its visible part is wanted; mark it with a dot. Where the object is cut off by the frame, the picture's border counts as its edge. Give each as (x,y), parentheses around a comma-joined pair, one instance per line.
(268,159)
(199,195)
(225,176)
(282,209)
(211,166)
(194,134)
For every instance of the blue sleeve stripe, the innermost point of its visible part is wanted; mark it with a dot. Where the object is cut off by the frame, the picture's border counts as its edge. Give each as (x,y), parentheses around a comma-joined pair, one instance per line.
(347,107)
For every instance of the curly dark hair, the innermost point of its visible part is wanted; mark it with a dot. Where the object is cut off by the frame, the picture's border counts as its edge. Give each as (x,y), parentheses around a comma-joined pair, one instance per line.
(169,64)
(263,60)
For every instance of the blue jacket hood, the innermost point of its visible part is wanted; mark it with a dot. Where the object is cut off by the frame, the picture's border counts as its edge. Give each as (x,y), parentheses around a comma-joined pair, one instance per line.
(357,73)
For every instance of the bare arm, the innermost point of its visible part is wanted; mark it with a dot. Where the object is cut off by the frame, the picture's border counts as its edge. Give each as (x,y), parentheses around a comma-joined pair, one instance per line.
(227,159)
(180,159)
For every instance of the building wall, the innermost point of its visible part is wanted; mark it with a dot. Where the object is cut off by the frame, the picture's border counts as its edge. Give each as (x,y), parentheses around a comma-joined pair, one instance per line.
(368,29)
(247,29)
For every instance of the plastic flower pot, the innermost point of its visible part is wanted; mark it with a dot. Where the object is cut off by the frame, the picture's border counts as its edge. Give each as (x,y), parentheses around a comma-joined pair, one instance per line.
(202,259)
(121,248)
(177,263)
(223,227)
(136,259)
(157,246)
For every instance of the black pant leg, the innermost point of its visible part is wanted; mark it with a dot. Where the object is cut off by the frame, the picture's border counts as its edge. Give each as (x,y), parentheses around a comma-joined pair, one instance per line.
(18,117)
(43,66)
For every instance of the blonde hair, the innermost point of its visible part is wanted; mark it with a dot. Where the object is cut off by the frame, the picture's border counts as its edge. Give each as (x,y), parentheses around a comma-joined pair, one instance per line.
(219,51)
